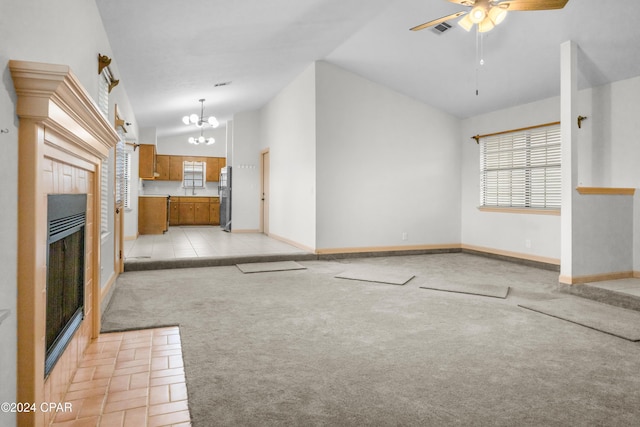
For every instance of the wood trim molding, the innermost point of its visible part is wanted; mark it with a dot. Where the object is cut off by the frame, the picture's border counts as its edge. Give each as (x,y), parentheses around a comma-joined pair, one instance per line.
(364,249)
(580,280)
(53,95)
(519,255)
(610,191)
(290,242)
(530,211)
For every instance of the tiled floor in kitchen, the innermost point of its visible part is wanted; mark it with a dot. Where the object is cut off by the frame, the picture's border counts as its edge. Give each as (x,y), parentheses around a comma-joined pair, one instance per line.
(195,242)
(133,378)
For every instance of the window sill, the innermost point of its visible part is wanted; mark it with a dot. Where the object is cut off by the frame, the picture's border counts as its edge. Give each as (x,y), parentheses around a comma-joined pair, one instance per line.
(530,211)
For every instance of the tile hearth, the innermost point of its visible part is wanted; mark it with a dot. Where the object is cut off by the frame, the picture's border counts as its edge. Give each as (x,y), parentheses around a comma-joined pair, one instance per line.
(133,378)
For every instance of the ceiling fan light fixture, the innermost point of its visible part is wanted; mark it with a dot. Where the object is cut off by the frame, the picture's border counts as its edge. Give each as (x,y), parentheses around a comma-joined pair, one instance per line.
(478,14)
(497,14)
(486,25)
(185,120)
(210,141)
(466,23)
(193,118)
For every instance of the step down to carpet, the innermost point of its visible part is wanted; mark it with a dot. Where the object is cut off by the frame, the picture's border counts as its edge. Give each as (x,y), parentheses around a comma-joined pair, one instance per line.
(612,320)
(495,291)
(596,292)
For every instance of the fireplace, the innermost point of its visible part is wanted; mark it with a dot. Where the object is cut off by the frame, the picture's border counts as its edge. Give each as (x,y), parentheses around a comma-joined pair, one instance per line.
(66,215)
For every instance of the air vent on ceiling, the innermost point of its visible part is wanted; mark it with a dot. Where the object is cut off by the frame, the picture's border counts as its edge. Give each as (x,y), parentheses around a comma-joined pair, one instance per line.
(441,28)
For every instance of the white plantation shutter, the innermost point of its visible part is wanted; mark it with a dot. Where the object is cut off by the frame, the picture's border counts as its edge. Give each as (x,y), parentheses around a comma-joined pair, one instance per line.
(521,169)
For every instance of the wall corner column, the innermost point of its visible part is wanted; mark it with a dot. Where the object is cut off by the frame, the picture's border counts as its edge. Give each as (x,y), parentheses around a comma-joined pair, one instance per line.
(568,117)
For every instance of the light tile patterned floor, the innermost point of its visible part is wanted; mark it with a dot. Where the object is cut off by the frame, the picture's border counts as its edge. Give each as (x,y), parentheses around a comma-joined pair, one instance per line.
(132,379)
(194,242)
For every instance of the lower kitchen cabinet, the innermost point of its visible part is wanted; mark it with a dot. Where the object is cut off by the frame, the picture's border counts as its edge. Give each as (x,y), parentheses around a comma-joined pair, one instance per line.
(214,212)
(194,211)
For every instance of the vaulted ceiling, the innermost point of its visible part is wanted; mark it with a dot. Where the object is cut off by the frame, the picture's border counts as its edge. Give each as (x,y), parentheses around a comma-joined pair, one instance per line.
(172,53)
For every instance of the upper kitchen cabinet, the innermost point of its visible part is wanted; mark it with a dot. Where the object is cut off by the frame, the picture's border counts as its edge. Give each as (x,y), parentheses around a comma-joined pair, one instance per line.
(175,168)
(213,169)
(162,167)
(147,161)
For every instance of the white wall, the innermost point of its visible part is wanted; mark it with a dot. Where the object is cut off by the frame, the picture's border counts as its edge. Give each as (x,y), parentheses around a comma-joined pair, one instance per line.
(66,32)
(288,130)
(608,153)
(246,171)
(386,165)
(505,231)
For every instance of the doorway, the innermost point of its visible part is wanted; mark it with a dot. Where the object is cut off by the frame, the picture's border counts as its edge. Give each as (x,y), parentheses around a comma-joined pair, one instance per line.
(264,190)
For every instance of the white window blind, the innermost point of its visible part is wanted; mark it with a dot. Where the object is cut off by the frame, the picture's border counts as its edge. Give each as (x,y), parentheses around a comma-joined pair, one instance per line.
(103,92)
(521,169)
(127,179)
(104,194)
(120,171)
(193,174)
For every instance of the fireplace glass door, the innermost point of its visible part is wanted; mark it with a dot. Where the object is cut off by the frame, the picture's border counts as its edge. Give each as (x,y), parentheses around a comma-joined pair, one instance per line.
(65,272)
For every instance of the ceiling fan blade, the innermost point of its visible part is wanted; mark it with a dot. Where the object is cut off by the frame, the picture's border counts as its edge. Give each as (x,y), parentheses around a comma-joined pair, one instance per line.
(513,5)
(464,2)
(437,21)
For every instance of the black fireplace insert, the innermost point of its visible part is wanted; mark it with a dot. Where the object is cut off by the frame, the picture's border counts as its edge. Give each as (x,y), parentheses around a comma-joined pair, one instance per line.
(66,215)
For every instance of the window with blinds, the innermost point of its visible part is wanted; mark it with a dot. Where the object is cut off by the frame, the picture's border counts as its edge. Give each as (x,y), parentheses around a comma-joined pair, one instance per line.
(104,194)
(127,179)
(103,92)
(120,172)
(521,169)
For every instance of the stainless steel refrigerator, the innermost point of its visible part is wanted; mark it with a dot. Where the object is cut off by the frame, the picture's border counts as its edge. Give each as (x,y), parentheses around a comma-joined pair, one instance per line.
(224,190)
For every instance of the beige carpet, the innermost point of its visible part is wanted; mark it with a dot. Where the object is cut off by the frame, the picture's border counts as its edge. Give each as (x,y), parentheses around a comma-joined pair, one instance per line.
(305,348)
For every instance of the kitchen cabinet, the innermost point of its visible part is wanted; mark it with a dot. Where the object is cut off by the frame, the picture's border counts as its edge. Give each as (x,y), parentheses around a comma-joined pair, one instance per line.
(213,169)
(152,214)
(162,167)
(147,161)
(169,168)
(214,211)
(201,212)
(195,210)
(174,211)
(175,168)
(187,215)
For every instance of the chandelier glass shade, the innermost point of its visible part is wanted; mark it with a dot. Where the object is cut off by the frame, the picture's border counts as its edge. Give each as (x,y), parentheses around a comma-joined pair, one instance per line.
(201,121)
(201,139)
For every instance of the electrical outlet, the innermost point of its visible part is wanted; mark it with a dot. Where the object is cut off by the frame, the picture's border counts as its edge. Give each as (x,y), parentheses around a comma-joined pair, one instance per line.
(404,235)
(527,243)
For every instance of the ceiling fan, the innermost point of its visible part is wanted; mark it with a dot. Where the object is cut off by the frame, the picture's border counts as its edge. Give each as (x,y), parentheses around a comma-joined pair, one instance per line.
(489,13)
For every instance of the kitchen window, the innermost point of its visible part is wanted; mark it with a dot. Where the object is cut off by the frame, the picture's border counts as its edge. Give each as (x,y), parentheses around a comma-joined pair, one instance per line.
(193,174)
(521,169)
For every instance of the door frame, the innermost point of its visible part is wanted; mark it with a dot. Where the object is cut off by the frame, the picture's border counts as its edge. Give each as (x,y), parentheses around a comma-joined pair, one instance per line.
(265,171)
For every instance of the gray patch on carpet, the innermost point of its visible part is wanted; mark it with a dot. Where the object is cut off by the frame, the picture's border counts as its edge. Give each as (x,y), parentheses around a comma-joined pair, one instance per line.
(262,267)
(617,321)
(495,291)
(377,276)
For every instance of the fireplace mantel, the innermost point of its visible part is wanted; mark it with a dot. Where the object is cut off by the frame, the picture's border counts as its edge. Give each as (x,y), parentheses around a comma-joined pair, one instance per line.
(63,139)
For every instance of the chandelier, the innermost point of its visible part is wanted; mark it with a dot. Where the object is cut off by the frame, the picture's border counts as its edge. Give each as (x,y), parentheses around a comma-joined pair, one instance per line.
(201,121)
(201,139)
(486,14)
